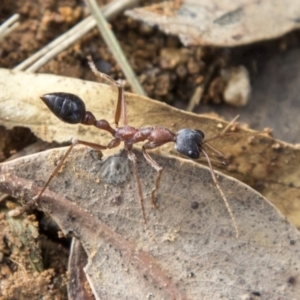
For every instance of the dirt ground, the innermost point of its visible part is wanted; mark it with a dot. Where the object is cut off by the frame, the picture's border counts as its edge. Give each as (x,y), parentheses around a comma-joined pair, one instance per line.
(33,265)
(167,70)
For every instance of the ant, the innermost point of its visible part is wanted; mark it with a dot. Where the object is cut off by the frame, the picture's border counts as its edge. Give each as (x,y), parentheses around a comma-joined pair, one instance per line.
(69,108)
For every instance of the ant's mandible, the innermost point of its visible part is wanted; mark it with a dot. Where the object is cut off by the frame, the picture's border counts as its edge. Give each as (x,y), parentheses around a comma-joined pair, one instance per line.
(69,108)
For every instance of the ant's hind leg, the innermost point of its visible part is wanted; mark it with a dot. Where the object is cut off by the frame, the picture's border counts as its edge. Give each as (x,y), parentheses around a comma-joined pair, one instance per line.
(75,142)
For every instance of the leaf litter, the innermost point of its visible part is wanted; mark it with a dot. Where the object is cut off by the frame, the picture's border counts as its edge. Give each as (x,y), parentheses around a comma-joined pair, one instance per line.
(97,202)
(221,23)
(235,166)
(269,165)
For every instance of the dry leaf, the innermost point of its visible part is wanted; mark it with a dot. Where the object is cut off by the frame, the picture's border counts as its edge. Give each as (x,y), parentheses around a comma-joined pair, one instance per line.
(77,283)
(196,255)
(258,160)
(222,23)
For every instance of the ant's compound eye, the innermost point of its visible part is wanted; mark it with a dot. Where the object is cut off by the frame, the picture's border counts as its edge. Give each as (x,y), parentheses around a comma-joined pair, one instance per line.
(67,107)
(189,142)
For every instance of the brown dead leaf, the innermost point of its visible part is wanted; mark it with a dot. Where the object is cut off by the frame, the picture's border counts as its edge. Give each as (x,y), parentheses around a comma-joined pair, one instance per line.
(222,23)
(258,160)
(78,287)
(196,255)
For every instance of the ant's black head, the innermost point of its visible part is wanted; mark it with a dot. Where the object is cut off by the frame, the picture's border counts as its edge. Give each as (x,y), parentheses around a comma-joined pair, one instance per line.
(189,142)
(67,107)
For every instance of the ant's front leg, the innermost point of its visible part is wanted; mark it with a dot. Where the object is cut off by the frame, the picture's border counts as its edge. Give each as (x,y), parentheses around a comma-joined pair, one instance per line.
(157,137)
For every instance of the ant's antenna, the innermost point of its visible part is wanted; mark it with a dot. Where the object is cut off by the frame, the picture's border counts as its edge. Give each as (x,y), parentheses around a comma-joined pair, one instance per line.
(222,193)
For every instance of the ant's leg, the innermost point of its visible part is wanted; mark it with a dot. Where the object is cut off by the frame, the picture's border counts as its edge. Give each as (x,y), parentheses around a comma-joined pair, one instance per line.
(58,167)
(222,193)
(121,105)
(132,157)
(154,165)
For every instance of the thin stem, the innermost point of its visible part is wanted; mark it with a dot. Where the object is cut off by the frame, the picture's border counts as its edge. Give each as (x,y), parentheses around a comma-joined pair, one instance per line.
(9,25)
(229,124)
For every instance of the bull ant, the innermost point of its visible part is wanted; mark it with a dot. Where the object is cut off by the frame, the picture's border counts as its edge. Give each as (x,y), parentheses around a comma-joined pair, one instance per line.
(191,143)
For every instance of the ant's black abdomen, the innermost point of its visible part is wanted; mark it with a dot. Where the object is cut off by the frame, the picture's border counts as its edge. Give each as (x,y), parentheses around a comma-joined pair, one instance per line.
(189,142)
(67,107)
